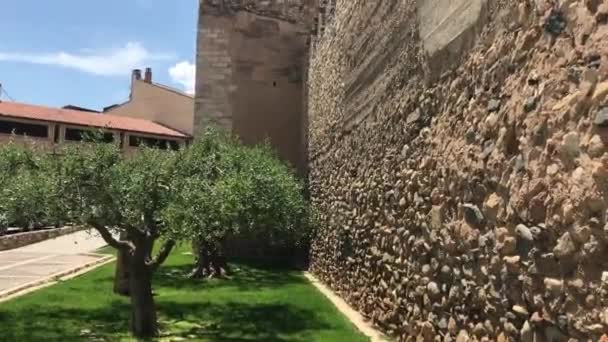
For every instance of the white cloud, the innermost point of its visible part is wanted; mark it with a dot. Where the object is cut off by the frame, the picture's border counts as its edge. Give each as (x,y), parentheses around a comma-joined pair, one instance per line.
(107,62)
(184,73)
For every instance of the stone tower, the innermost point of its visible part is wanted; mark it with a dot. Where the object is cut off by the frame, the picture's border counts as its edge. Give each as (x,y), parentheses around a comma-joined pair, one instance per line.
(250,71)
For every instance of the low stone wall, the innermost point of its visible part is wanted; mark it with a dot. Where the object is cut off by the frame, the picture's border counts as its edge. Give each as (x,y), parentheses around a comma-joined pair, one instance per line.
(23,239)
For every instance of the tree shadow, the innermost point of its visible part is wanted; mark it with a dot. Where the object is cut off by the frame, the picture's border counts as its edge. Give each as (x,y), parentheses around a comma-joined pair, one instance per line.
(240,321)
(242,277)
(64,324)
(190,321)
(185,315)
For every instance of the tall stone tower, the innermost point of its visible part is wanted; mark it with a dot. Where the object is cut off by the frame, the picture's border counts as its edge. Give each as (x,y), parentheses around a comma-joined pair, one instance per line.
(250,71)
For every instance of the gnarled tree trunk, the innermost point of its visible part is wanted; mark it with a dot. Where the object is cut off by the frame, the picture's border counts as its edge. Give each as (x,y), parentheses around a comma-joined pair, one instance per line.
(121,275)
(210,261)
(143,311)
(139,266)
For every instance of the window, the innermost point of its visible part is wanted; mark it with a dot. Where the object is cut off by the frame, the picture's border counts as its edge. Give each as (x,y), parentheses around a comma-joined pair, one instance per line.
(164,144)
(75,134)
(19,128)
(56,134)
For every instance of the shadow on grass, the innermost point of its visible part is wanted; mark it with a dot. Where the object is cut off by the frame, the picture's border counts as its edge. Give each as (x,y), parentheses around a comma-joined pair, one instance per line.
(242,277)
(68,314)
(239,322)
(64,324)
(195,321)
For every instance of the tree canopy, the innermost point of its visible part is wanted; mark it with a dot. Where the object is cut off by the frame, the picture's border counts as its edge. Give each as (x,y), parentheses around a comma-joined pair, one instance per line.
(246,191)
(24,188)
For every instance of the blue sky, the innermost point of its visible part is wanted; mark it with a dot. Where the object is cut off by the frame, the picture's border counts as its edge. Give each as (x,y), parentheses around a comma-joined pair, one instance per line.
(81,52)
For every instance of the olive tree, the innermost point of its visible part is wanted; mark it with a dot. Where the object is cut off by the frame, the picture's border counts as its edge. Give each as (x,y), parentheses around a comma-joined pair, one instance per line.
(95,185)
(227,190)
(118,195)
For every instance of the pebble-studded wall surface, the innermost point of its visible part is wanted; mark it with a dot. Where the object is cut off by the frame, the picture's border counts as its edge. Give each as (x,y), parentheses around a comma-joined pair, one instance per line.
(300,11)
(463,195)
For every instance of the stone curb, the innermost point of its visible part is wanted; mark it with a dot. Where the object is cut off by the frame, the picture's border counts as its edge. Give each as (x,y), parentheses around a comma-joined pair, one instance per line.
(56,277)
(355,317)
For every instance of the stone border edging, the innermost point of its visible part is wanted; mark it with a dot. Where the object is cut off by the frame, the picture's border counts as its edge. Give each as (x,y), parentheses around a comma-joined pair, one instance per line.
(17,240)
(56,277)
(355,317)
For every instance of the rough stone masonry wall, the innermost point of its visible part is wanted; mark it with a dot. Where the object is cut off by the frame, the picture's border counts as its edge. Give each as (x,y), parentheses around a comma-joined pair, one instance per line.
(466,203)
(299,11)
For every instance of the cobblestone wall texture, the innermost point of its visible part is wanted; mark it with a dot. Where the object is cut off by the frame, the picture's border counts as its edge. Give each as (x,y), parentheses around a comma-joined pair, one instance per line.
(296,11)
(463,196)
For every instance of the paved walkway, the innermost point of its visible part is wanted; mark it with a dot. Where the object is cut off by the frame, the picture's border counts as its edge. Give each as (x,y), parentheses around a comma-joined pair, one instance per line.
(35,263)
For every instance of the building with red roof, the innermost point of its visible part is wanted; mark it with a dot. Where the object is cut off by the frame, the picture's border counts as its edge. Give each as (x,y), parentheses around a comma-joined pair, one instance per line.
(48,125)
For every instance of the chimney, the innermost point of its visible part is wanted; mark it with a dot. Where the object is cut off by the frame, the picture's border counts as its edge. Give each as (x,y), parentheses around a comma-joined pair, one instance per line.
(136,75)
(148,76)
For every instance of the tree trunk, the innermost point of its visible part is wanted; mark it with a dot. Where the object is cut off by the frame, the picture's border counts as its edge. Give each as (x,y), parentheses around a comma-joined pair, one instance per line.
(143,311)
(210,261)
(121,276)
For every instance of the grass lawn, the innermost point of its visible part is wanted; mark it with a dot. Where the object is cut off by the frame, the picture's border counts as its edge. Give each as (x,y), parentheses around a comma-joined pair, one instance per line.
(257,304)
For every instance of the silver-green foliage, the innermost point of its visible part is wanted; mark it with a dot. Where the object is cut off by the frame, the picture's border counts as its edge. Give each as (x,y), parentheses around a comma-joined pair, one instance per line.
(211,190)
(23,187)
(227,189)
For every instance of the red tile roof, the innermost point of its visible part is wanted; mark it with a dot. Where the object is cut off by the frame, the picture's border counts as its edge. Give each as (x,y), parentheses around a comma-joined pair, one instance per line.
(80,118)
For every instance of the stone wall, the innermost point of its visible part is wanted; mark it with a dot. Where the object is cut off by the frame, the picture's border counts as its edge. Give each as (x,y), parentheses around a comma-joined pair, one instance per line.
(27,238)
(459,167)
(294,11)
(214,84)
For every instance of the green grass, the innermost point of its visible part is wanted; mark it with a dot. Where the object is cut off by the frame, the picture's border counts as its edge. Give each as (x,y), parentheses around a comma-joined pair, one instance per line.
(257,304)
